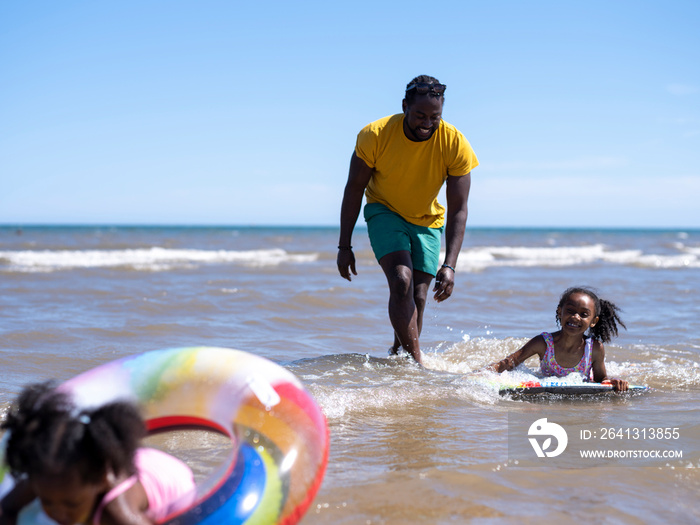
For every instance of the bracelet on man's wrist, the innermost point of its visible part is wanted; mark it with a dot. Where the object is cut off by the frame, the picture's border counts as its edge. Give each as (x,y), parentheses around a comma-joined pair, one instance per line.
(345,247)
(448,266)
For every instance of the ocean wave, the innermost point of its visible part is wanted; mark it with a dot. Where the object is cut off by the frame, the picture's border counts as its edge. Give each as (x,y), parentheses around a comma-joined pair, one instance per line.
(148,259)
(361,384)
(482,257)
(474,259)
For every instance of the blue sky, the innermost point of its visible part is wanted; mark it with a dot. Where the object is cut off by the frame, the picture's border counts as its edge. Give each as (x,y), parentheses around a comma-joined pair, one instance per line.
(582,114)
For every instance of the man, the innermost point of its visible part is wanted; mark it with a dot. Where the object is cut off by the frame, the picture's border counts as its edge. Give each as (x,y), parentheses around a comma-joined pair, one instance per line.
(401,162)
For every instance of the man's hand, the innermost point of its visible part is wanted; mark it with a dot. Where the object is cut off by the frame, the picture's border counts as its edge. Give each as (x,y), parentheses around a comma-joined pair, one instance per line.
(346,263)
(444,284)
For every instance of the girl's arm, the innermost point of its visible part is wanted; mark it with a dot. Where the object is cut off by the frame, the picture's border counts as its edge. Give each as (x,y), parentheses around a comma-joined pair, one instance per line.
(14,501)
(536,345)
(600,375)
(123,515)
(127,509)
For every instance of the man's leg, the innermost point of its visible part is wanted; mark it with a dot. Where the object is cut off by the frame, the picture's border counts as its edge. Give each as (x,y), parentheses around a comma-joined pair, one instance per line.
(394,350)
(421,287)
(403,312)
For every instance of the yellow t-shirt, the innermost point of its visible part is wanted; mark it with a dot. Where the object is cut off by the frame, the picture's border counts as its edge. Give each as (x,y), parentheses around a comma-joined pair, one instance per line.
(408,175)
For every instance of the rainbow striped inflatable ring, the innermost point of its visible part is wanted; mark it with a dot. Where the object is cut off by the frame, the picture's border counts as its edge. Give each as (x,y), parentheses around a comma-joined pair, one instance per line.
(279,433)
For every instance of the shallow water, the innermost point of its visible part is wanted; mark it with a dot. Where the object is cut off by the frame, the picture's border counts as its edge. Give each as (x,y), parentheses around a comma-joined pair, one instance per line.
(408,445)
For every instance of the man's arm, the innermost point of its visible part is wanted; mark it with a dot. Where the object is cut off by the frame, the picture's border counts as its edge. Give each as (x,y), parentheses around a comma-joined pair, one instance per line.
(457,197)
(358,178)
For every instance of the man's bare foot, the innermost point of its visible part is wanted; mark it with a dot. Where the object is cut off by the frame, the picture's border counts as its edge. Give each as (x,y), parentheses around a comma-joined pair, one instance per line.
(394,350)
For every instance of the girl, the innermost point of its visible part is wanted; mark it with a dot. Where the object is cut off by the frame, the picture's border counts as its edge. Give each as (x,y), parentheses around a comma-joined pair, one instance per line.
(85,466)
(570,349)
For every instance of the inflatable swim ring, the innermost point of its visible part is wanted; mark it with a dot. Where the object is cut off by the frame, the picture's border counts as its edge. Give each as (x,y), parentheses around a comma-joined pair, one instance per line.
(279,433)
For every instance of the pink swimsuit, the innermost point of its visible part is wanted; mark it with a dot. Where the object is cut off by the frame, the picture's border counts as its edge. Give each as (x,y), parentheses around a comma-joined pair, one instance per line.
(550,367)
(168,483)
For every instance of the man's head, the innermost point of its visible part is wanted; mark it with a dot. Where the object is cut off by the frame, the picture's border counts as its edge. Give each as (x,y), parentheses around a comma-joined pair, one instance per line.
(422,107)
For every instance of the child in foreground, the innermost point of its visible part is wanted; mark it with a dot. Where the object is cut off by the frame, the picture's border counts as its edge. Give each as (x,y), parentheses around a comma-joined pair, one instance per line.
(571,349)
(86,466)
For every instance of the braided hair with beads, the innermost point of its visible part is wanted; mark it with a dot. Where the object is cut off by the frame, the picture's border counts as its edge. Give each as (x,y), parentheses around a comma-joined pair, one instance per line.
(49,435)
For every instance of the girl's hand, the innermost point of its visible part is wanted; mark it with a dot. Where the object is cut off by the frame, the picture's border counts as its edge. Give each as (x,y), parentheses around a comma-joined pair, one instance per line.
(7,520)
(618,384)
(14,501)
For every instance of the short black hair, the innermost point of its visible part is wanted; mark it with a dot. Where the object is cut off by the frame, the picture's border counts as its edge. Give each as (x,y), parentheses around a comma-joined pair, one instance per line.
(411,95)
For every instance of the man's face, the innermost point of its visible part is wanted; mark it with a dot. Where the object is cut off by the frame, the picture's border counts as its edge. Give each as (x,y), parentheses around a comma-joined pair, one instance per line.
(422,117)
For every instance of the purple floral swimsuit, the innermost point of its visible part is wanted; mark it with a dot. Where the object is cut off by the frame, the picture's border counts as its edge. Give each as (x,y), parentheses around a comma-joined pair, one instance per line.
(550,367)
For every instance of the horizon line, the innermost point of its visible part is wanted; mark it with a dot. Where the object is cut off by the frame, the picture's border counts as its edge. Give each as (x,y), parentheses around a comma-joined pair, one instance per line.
(20,226)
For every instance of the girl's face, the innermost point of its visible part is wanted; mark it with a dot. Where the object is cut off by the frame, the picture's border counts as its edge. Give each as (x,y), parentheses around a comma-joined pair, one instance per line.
(66,498)
(577,314)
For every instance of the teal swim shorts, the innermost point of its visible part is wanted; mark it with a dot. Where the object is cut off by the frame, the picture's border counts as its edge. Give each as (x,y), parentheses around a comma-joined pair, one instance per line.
(389,232)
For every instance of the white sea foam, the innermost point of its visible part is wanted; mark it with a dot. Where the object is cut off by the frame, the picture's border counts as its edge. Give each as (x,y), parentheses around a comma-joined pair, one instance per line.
(151,259)
(482,257)
(475,258)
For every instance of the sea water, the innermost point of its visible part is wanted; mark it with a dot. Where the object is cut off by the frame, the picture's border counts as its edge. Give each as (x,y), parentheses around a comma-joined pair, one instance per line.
(409,445)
